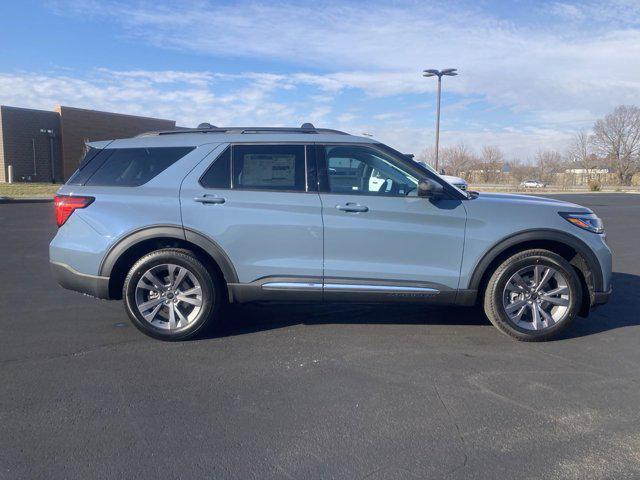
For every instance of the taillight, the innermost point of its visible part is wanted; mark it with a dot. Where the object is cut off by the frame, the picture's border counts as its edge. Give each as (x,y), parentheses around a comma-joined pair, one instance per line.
(66,204)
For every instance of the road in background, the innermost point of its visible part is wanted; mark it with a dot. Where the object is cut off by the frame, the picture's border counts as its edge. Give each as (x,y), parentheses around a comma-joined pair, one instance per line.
(335,391)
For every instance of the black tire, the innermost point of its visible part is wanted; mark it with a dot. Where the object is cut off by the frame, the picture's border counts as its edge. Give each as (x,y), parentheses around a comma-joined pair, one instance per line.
(495,291)
(211,294)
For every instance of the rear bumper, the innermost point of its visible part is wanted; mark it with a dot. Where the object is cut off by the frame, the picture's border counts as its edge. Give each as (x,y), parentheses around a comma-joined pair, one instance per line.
(600,298)
(71,279)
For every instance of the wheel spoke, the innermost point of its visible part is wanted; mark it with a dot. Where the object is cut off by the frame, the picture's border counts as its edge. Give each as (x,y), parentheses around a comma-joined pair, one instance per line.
(515,306)
(154,280)
(190,300)
(150,304)
(150,316)
(517,279)
(556,291)
(535,315)
(181,317)
(547,318)
(518,315)
(192,291)
(172,270)
(562,302)
(172,316)
(548,273)
(537,274)
(181,274)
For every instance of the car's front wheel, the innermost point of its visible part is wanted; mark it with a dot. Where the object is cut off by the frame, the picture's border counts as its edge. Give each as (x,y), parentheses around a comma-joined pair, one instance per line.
(533,295)
(169,294)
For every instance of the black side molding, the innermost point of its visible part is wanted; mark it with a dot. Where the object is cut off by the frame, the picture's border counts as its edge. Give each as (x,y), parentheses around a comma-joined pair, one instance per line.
(71,279)
(538,234)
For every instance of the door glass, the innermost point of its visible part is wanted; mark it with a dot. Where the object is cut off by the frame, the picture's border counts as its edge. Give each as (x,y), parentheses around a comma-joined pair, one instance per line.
(366,171)
(269,167)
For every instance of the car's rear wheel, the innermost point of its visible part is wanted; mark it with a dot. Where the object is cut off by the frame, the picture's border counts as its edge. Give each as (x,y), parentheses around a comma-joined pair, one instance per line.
(533,295)
(169,294)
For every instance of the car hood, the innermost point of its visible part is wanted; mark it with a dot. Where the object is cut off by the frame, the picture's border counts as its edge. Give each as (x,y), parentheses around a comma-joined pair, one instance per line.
(530,200)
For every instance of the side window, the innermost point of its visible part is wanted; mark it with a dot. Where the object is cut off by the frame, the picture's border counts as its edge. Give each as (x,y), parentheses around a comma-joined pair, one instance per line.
(131,167)
(269,167)
(366,171)
(218,175)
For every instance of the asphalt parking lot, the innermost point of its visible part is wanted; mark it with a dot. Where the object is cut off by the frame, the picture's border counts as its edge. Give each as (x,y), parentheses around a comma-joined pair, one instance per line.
(337,391)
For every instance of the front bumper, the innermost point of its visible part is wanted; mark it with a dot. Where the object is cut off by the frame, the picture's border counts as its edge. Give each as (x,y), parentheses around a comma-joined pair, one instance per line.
(71,279)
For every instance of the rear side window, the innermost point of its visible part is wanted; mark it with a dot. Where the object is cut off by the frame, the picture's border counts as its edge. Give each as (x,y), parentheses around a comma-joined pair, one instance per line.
(219,173)
(269,167)
(126,167)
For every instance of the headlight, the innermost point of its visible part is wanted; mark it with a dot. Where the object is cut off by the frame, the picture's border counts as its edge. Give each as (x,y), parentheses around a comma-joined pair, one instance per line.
(586,221)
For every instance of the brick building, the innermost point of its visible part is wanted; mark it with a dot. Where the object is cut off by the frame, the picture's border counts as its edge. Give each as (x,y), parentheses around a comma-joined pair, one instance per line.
(42,145)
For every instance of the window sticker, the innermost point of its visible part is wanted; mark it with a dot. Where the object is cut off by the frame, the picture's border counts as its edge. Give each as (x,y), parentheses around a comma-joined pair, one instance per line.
(269,170)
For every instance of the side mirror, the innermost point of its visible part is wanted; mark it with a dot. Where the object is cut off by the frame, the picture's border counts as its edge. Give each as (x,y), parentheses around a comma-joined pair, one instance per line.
(430,189)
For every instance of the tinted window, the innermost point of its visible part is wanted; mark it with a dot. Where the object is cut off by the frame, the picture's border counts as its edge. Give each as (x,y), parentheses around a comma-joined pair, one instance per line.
(269,167)
(91,161)
(365,171)
(131,167)
(219,173)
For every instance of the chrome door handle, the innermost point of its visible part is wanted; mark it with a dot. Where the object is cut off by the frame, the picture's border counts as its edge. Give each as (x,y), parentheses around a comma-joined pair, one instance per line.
(352,207)
(210,199)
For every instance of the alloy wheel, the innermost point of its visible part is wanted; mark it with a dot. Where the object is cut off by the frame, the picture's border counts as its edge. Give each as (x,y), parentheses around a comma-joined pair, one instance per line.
(169,297)
(536,297)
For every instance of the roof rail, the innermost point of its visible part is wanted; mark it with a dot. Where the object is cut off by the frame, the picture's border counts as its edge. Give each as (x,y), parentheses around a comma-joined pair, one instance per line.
(207,128)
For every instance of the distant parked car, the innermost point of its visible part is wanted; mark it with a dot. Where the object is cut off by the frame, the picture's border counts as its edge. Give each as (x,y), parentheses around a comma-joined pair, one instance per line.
(532,184)
(455,181)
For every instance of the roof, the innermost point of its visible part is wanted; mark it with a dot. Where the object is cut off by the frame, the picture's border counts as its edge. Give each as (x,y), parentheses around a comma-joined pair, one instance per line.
(209,134)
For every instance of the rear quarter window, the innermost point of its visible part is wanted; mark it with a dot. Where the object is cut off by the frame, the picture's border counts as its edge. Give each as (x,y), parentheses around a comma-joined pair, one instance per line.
(126,167)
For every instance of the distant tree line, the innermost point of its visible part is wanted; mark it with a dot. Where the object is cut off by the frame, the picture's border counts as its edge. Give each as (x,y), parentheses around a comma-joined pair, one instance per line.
(609,151)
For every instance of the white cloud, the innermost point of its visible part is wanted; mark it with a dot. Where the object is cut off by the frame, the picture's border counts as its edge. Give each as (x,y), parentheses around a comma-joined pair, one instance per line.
(382,49)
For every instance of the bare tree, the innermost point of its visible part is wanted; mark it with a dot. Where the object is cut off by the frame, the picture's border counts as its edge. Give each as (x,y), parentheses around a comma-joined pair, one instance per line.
(617,137)
(491,162)
(427,155)
(548,162)
(580,152)
(457,160)
(521,171)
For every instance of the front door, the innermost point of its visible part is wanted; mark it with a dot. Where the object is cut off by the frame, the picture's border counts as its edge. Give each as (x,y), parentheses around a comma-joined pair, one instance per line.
(379,236)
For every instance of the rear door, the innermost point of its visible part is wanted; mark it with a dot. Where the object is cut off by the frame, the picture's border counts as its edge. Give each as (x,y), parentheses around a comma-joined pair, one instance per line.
(254,201)
(378,234)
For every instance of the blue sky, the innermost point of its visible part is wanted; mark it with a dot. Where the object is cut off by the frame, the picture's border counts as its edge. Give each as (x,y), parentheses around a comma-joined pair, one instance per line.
(532,73)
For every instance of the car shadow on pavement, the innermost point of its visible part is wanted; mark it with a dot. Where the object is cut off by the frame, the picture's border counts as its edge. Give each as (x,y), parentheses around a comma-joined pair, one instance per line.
(620,312)
(623,310)
(249,318)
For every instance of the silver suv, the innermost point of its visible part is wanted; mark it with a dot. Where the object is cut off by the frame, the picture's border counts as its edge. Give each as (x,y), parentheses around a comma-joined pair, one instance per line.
(178,223)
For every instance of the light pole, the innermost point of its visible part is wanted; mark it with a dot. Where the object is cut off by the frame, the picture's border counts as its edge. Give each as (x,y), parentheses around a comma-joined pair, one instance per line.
(449,72)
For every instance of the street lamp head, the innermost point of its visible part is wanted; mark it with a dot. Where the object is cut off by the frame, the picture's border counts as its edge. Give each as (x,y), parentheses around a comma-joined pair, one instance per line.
(449,71)
(428,74)
(432,71)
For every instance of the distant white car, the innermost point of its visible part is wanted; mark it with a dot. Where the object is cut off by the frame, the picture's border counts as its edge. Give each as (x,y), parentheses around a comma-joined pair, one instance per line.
(456,182)
(532,184)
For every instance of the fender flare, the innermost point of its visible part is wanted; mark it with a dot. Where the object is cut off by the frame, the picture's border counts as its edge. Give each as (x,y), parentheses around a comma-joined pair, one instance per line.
(538,234)
(169,231)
